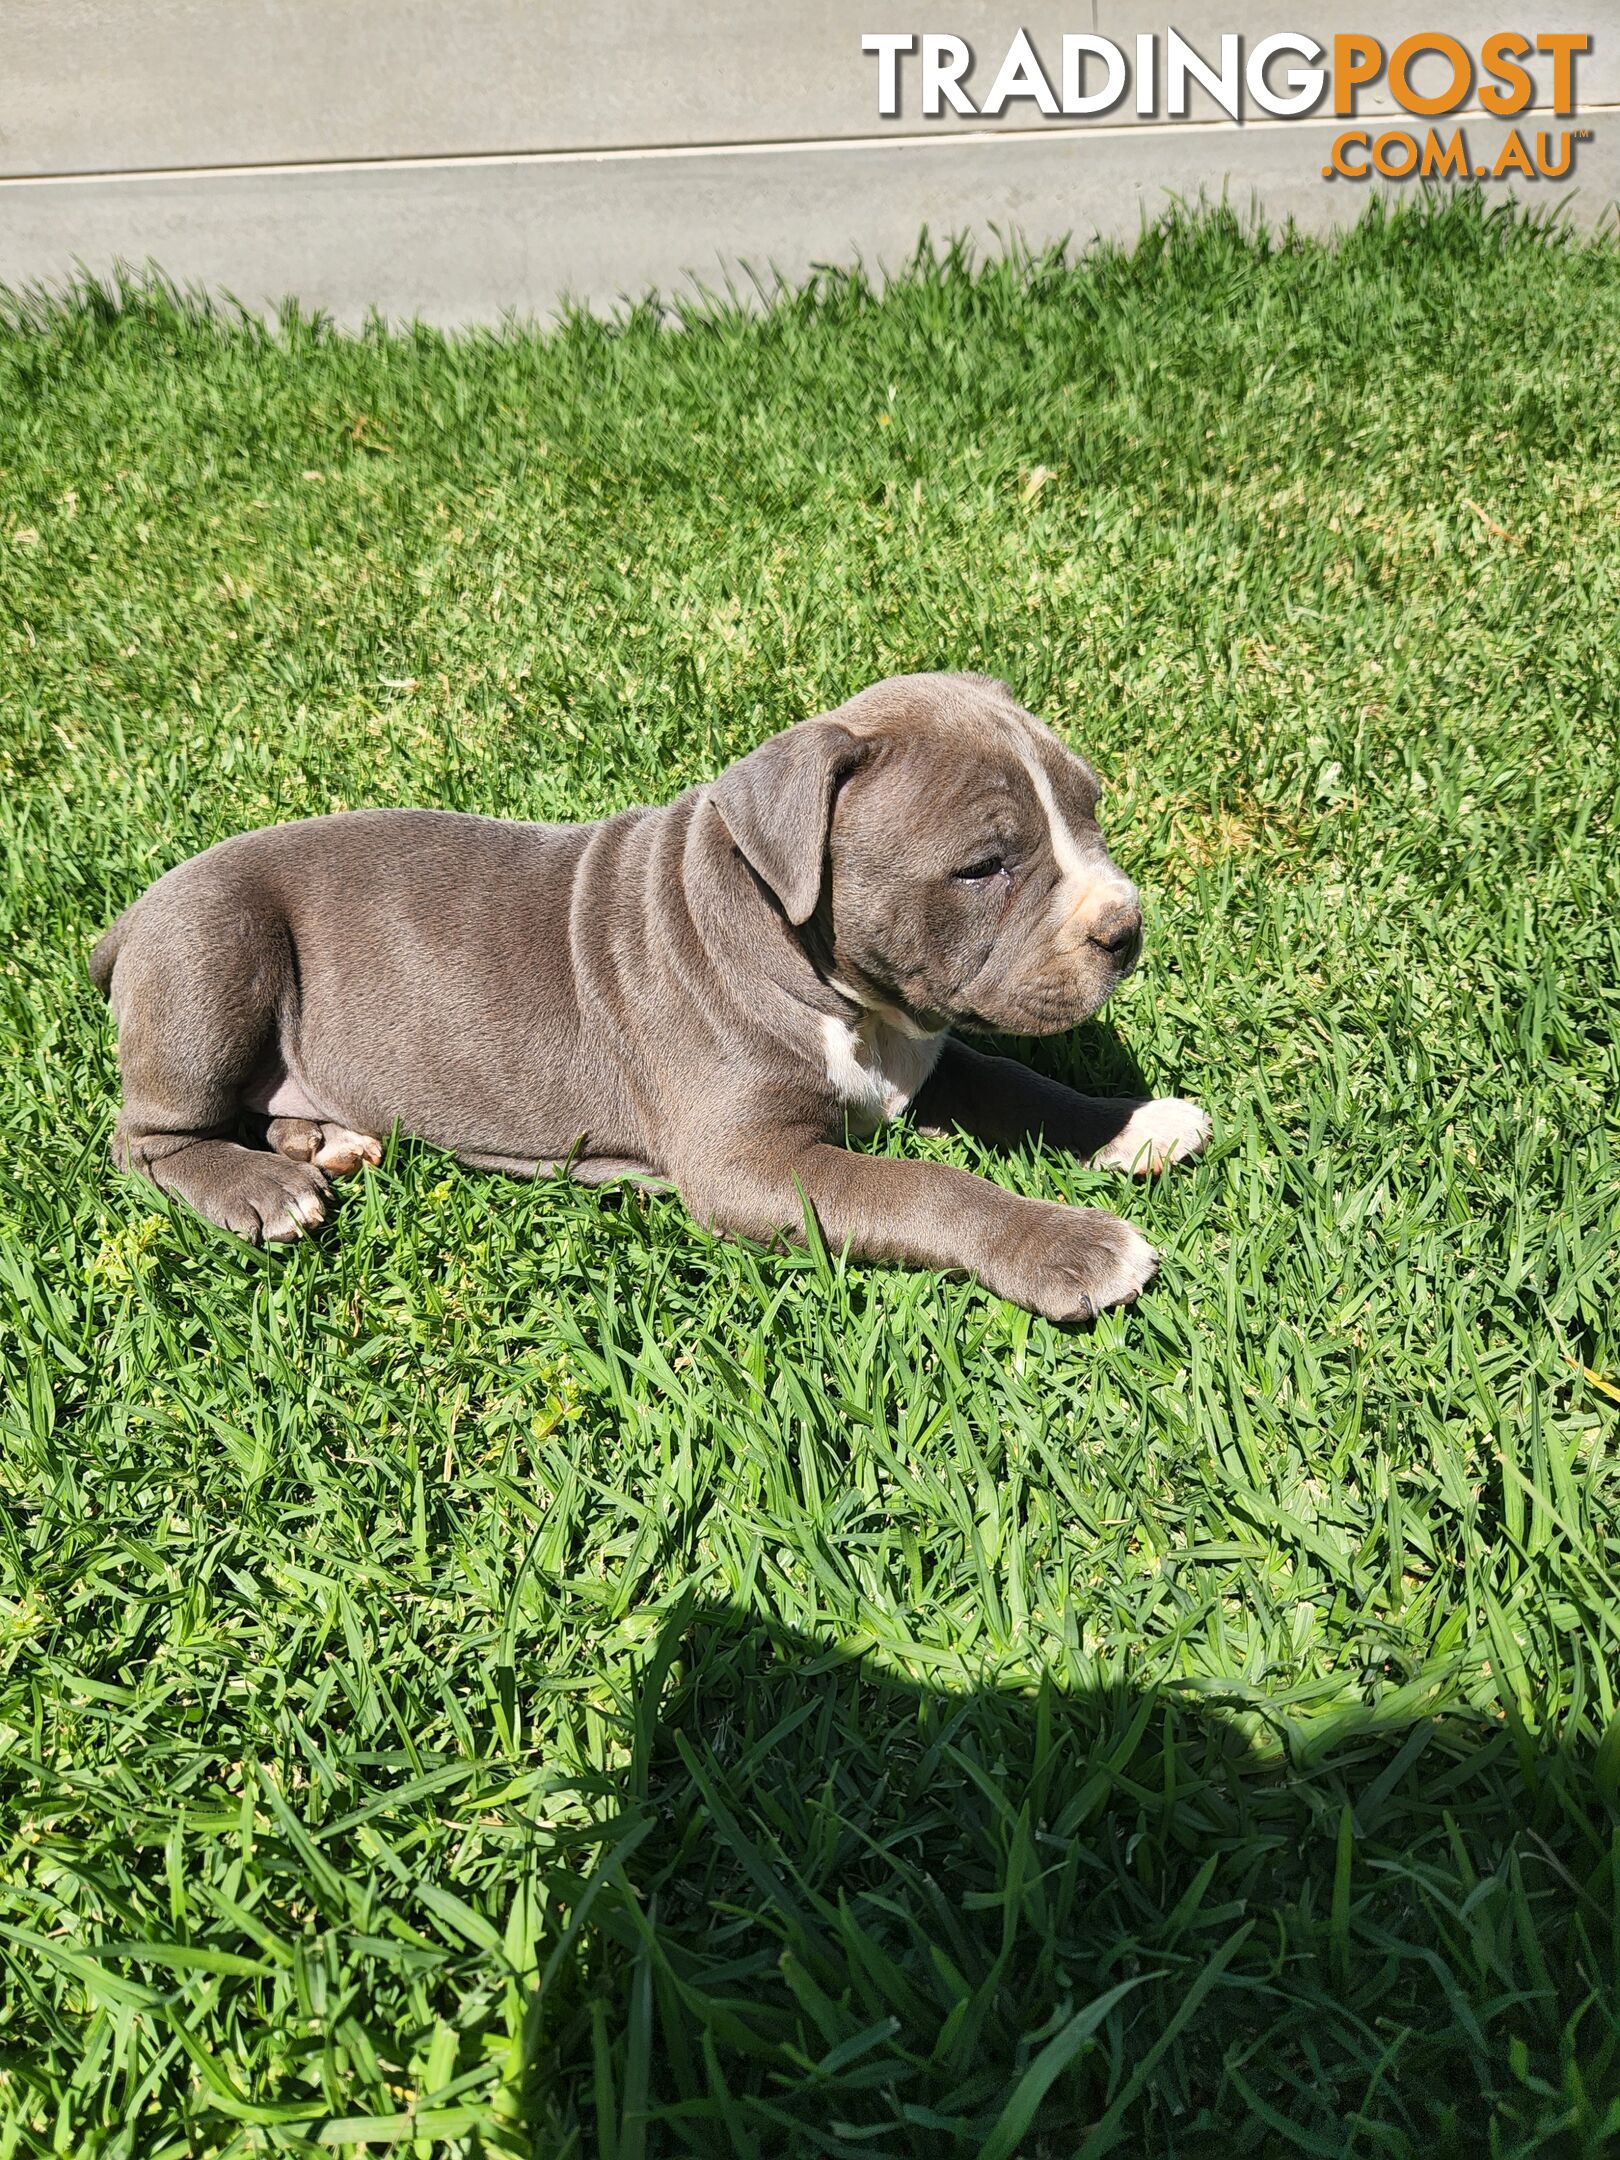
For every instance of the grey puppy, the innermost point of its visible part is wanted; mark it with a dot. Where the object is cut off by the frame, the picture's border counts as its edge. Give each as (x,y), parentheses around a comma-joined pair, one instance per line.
(715,993)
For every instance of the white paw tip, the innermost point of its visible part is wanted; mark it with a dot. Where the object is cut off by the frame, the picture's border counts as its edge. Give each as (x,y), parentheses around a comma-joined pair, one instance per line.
(1155,1135)
(1139,1262)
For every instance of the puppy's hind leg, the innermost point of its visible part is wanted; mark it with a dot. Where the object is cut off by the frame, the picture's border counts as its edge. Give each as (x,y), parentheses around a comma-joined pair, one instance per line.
(196,988)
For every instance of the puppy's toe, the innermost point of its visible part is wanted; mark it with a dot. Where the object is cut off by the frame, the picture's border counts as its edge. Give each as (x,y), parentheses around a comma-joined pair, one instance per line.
(296,1205)
(295,1137)
(342,1151)
(1155,1135)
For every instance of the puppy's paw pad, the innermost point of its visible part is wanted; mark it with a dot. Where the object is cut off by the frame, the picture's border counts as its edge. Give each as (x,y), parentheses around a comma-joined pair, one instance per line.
(1155,1135)
(342,1151)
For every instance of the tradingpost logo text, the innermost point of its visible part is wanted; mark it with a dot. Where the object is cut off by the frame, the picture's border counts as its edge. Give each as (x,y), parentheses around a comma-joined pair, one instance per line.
(1429,76)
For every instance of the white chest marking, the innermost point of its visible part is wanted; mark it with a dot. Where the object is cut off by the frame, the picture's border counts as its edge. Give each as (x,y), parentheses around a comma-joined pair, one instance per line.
(875,1067)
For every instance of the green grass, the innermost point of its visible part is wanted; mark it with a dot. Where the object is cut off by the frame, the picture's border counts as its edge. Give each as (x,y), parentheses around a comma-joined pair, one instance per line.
(518,1675)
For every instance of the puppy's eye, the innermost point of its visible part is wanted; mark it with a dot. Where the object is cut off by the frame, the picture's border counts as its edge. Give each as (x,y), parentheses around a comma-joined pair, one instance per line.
(988,866)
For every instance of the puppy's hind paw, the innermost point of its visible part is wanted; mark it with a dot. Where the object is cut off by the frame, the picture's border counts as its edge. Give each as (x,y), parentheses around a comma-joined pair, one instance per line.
(264,1198)
(342,1151)
(304,1211)
(332,1148)
(1155,1135)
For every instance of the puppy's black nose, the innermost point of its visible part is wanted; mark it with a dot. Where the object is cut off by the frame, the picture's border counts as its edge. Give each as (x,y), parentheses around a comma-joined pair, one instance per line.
(1120,935)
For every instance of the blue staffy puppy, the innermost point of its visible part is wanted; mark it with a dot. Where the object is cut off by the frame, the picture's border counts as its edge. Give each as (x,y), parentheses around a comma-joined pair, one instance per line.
(714,993)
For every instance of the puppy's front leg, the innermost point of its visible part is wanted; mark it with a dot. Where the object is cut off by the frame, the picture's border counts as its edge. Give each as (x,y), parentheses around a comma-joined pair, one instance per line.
(1068,1263)
(1007,1104)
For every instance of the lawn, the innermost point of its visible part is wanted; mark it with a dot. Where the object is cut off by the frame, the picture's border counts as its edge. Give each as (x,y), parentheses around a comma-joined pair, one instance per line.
(518,1675)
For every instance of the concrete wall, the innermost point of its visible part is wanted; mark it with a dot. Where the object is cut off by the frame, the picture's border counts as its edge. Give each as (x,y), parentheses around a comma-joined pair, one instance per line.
(458,162)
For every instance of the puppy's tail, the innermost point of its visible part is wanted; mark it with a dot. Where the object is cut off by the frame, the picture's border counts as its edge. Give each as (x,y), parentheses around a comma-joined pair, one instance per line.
(106,952)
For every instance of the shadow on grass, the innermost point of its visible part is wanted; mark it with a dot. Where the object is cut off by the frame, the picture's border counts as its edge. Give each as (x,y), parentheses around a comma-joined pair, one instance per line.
(1094,1058)
(836,1912)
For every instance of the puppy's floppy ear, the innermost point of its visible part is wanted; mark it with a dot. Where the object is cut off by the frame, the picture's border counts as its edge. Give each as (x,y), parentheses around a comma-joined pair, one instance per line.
(777,806)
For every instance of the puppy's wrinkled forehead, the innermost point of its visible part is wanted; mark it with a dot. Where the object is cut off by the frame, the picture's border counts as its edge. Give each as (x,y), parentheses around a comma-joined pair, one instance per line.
(962,749)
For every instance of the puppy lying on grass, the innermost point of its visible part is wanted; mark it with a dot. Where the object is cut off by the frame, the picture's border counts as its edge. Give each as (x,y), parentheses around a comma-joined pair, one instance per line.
(714,993)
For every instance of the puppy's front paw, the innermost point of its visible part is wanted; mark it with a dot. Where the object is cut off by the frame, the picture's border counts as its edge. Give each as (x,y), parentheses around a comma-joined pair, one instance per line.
(1155,1135)
(1075,1262)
